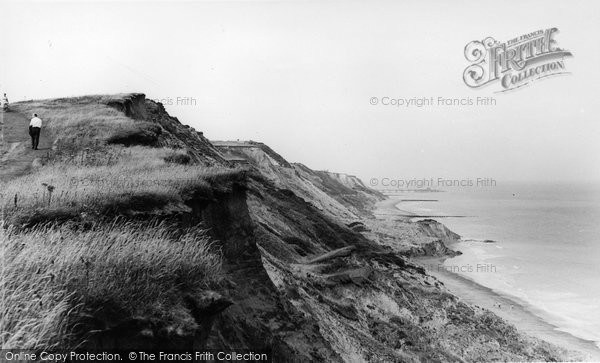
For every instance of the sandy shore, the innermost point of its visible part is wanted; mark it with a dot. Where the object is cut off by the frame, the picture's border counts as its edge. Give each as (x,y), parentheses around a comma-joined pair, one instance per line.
(388,209)
(506,307)
(511,310)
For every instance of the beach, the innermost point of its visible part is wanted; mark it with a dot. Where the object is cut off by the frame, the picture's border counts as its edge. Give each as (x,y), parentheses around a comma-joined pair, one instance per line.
(524,316)
(510,309)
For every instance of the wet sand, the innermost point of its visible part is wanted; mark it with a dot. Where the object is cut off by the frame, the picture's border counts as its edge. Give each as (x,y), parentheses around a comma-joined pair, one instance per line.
(509,308)
(387,209)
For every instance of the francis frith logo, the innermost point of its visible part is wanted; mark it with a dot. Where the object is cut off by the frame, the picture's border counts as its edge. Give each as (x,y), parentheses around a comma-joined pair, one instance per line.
(514,63)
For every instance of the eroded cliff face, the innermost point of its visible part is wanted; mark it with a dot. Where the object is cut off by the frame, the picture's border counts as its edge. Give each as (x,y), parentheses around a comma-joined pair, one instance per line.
(159,129)
(337,195)
(436,229)
(179,136)
(346,189)
(132,105)
(246,310)
(303,282)
(313,289)
(260,318)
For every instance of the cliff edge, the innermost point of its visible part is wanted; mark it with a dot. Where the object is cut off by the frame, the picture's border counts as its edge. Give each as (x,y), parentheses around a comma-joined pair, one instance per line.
(193,244)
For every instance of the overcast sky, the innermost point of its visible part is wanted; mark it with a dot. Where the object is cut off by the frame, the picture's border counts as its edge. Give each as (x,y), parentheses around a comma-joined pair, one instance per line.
(299,76)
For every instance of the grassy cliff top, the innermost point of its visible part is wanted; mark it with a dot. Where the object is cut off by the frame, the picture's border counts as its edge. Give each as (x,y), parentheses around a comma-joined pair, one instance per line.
(82,231)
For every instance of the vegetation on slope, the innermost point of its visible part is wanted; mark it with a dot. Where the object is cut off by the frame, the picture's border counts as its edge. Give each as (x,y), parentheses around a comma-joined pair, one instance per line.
(106,181)
(74,243)
(53,275)
(81,121)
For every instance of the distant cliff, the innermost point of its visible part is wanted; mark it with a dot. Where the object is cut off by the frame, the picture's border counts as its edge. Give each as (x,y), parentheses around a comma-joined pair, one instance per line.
(339,195)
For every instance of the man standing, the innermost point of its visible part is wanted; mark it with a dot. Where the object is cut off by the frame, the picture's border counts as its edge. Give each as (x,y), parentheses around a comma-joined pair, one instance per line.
(5,103)
(35,126)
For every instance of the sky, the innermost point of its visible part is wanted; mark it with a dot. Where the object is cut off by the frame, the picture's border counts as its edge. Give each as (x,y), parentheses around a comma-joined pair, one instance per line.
(300,76)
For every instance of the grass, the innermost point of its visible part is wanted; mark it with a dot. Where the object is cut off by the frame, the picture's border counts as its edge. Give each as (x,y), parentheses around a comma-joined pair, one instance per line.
(87,120)
(136,179)
(69,246)
(178,157)
(96,170)
(54,273)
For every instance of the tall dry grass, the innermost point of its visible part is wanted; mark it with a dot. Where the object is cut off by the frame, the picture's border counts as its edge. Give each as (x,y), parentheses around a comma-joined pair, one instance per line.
(57,269)
(52,273)
(81,120)
(135,174)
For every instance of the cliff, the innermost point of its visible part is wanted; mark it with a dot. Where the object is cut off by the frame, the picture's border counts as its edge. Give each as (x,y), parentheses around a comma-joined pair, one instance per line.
(171,133)
(278,257)
(338,195)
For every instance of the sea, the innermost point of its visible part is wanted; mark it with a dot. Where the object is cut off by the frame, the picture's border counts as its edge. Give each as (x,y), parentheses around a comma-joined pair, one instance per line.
(538,243)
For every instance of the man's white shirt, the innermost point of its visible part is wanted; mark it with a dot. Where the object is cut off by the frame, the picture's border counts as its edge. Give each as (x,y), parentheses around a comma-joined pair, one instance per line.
(36,122)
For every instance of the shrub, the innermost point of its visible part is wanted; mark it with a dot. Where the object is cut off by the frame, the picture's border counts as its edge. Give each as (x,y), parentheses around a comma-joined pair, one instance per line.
(178,158)
(138,133)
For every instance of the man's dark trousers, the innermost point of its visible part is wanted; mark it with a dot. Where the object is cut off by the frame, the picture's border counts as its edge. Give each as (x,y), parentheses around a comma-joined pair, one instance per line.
(34,132)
